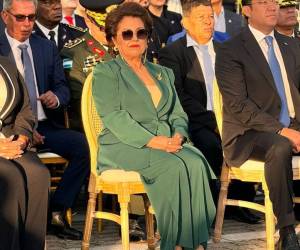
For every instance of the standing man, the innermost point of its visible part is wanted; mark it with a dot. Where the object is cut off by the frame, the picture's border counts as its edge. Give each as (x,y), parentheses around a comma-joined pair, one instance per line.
(69,16)
(287,18)
(226,21)
(258,73)
(82,54)
(38,61)
(192,59)
(48,25)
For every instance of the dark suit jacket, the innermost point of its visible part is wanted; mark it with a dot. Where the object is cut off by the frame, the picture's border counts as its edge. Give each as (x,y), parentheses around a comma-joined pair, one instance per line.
(189,83)
(234,22)
(251,102)
(79,22)
(16,116)
(48,68)
(65,34)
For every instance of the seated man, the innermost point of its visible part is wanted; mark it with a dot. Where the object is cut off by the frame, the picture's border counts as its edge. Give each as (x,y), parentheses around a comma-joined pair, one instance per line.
(24,180)
(69,16)
(192,60)
(38,61)
(287,18)
(258,73)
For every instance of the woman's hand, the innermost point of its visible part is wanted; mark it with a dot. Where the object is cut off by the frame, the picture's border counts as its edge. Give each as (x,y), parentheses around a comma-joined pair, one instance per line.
(170,145)
(10,149)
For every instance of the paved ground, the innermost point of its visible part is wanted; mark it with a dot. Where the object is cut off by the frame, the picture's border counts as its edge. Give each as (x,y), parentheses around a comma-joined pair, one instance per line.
(237,236)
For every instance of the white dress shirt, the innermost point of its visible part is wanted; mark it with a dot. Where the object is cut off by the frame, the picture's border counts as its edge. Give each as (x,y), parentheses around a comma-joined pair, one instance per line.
(46,31)
(209,85)
(17,56)
(220,24)
(260,38)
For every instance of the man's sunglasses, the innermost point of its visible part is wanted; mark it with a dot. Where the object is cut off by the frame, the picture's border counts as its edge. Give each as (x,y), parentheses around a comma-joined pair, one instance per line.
(141,34)
(22,18)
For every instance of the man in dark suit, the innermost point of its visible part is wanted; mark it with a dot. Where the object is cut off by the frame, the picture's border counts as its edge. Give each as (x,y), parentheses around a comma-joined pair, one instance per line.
(48,25)
(38,61)
(226,20)
(192,60)
(258,73)
(24,180)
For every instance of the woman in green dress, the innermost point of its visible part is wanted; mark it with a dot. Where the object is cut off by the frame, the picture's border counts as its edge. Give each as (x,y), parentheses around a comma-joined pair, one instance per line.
(145,130)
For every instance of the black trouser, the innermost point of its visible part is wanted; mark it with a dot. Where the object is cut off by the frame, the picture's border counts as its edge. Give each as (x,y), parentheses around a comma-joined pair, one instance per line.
(24,185)
(209,143)
(276,151)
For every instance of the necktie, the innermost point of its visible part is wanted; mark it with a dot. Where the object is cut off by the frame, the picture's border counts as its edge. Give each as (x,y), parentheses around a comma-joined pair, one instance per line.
(69,20)
(52,36)
(208,75)
(284,117)
(29,77)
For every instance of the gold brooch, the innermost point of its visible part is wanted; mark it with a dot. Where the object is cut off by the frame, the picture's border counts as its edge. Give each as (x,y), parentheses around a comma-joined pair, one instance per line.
(159,77)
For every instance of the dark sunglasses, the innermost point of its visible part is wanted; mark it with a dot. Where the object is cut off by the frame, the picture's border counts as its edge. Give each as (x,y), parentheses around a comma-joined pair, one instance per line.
(141,34)
(22,18)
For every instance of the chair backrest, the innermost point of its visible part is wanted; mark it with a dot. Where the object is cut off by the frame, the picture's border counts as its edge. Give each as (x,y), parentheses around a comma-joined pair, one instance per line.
(218,106)
(92,123)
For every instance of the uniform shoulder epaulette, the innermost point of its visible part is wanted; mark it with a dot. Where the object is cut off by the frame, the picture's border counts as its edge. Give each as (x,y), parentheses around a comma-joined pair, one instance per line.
(75,27)
(72,43)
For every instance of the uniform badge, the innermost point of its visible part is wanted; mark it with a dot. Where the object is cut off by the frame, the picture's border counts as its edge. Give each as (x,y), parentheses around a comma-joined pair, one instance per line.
(67,63)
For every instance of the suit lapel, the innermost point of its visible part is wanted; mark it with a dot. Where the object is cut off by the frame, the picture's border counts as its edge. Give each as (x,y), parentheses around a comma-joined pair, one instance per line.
(257,56)
(37,54)
(5,48)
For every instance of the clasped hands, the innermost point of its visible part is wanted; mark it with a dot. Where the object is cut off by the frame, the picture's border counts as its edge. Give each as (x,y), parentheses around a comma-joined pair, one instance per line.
(168,144)
(12,149)
(49,99)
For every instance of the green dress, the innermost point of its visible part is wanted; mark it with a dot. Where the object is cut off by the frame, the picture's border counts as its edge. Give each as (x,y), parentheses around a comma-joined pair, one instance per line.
(177,183)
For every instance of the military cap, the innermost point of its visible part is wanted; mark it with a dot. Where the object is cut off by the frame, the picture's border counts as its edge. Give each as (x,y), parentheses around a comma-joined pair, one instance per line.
(288,3)
(98,9)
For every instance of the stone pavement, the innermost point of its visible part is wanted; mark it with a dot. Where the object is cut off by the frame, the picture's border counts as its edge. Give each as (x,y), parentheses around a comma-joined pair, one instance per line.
(236,236)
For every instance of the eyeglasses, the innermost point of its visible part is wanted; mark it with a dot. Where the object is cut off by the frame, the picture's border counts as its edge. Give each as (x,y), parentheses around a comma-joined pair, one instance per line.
(22,18)
(266,2)
(141,34)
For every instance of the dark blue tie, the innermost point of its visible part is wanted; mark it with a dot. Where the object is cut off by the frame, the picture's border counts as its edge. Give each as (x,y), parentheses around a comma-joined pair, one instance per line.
(29,77)
(284,117)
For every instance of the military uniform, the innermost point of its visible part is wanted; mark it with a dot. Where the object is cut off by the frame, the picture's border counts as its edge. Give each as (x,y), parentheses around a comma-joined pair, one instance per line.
(79,57)
(66,32)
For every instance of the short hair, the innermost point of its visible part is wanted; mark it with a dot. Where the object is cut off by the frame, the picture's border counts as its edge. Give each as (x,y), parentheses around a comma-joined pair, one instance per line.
(187,5)
(7,3)
(246,2)
(126,9)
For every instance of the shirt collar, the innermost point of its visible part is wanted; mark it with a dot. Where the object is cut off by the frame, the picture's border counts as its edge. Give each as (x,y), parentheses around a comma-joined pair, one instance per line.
(15,43)
(259,36)
(46,30)
(190,42)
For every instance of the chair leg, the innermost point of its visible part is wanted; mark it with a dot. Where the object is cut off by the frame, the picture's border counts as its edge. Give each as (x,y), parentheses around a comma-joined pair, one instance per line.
(123,201)
(270,220)
(99,208)
(89,221)
(69,216)
(149,224)
(221,204)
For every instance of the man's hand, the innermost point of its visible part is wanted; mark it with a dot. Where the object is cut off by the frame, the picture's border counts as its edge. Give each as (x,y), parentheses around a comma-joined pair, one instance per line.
(170,145)
(10,149)
(49,99)
(24,140)
(38,139)
(293,136)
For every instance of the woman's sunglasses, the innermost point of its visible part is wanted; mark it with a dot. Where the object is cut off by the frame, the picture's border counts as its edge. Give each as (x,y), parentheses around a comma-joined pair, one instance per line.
(141,34)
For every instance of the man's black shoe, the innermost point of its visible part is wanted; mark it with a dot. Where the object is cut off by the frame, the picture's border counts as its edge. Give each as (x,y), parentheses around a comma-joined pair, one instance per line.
(241,214)
(289,242)
(62,229)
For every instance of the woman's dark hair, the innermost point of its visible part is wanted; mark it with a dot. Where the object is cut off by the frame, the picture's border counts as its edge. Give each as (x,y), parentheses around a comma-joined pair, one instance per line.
(126,9)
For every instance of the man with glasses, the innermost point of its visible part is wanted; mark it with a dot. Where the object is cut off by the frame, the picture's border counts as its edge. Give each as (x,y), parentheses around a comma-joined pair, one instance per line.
(258,73)
(48,25)
(82,54)
(38,61)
